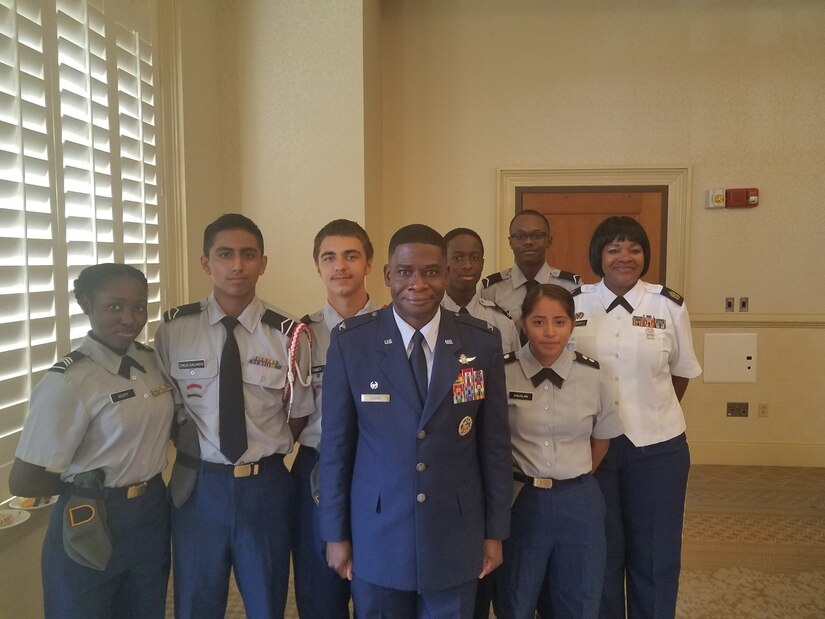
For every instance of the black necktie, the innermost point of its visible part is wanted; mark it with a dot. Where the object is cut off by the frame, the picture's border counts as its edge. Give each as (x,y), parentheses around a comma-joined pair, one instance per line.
(463,310)
(547,373)
(617,302)
(418,363)
(126,363)
(232,417)
(531,283)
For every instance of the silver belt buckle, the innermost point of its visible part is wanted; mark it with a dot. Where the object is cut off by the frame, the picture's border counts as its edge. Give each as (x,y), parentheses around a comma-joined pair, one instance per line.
(542,482)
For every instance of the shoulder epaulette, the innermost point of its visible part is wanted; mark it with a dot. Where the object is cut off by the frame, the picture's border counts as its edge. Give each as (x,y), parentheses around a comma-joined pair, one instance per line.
(308,319)
(492,279)
(361,319)
(474,322)
(509,357)
(576,292)
(278,322)
(183,310)
(673,295)
(143,347)
(587,360)
(570,277)
(63,365)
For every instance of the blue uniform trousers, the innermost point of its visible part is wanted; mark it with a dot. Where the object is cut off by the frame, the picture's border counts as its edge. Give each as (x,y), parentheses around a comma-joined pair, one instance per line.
(376,602)
(133,585)
(556,534)
(320,593)
(239,523)
(644,490)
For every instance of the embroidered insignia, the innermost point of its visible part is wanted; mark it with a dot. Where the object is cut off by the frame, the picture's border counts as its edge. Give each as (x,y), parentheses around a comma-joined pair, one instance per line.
(161,389)
(388,341)
(448,342)
(265,362)
(465,426)
(464,359)
(121,395)
(579,315)
(374,384)
(468,386)
(193,394)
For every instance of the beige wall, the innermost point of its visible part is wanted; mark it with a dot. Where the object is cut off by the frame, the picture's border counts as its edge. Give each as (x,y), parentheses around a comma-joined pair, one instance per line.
(400,111)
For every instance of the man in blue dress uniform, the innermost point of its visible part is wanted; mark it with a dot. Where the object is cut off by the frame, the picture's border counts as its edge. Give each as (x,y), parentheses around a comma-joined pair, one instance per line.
(415,461)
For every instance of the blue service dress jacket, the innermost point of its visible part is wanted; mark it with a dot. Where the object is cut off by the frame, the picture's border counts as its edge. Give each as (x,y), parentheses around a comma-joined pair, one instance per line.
(416,489)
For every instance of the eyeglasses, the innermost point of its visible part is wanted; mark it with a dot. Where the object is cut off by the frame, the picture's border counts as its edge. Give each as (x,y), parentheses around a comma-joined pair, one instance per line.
(520,237)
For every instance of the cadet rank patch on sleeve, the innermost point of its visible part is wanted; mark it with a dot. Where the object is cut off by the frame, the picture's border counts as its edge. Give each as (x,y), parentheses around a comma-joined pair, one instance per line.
(587,360)
(183,310)
(277,321)
(673,295)
(492,279)
(63,365)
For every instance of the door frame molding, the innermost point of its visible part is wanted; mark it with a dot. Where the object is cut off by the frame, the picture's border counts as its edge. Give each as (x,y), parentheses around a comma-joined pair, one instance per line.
(677,181)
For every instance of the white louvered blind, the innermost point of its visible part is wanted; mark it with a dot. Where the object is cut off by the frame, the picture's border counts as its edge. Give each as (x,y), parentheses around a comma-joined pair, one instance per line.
(78,176)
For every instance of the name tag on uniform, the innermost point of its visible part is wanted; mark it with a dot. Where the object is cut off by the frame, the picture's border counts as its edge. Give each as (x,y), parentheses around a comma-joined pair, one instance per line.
(193,364)
(520,395)
(317,369)
(375,397)
(121,395)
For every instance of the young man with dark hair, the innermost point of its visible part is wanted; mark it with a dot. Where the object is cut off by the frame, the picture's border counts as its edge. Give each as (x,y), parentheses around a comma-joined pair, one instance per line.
(465,260)
(343,257)
(415,464)
(228,357)
(530,238)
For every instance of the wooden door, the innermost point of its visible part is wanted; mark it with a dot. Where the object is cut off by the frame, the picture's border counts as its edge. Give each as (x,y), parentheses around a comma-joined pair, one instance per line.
(574,213)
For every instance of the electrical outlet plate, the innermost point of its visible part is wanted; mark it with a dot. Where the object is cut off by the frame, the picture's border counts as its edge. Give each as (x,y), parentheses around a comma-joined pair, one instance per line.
(737,409)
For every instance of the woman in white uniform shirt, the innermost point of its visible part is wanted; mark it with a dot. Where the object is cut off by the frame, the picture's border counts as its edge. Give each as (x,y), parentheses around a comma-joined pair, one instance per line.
(562,418)
(641,334)
(104,414)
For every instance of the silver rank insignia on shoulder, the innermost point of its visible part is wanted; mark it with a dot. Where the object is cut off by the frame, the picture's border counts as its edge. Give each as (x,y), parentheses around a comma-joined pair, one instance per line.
(464,359)
(374,385)
(388,341)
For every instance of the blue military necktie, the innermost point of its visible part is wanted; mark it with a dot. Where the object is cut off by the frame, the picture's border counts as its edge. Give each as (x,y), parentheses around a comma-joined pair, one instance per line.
(418,363)
(231,409)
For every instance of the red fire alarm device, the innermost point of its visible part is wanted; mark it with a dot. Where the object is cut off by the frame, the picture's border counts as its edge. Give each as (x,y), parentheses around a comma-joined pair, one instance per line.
(741,198)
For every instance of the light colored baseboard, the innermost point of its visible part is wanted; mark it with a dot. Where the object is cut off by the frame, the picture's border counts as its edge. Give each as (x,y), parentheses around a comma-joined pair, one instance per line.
(757,454)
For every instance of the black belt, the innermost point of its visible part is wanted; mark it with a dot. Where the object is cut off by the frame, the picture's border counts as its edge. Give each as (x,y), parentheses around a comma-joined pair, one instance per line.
(124,492)
(545,483)
(250,469)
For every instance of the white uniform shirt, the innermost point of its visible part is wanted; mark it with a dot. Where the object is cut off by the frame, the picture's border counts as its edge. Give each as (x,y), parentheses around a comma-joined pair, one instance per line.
(83,416)
(486,310)
(550,427)
(320,324)
(509,293)
(640,352)
(190,347)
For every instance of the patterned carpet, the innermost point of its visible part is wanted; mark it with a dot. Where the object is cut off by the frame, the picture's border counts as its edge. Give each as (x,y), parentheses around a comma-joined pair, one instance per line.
(754,546)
